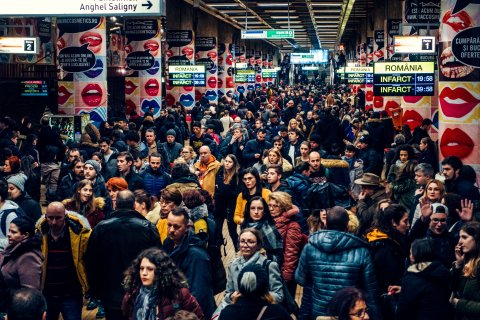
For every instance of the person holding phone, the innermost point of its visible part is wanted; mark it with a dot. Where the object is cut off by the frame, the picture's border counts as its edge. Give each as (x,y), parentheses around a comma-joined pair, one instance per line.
(465,272)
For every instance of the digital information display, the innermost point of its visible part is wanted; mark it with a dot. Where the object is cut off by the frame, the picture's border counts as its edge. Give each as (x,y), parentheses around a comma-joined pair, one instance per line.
(245,76)
(187,76)
(403,78)
(269,73)
(359,75)
(313,57)
(414,44)
(33,88)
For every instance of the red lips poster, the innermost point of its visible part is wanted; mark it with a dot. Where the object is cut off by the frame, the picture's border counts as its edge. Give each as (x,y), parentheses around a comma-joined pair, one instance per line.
(206,54)
(223,55)
(459,86)
(81,57)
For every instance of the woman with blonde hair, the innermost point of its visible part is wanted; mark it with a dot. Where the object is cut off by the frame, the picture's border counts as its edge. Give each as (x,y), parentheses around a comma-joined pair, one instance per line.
(275,158)
(188,154)
(84,203)
(434,192)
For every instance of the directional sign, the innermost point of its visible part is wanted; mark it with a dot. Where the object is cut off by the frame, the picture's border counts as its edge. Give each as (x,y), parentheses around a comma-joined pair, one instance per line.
(268,34)
(81,8)
(18,45)
(414,44)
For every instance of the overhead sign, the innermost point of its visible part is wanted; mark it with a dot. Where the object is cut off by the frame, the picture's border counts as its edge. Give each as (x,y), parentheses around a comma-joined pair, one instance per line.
(403,78)
(18,45)
(34,88)
(245,76)
(309,68)
(241,65)
(268,34)
(414,44)
(187,76)
(82,7)
(269,73)
(359,75)
(312,57)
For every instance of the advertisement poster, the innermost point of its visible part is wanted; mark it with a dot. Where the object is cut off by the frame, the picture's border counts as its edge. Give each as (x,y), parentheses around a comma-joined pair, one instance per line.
(221,70)
(180,51)
(81,59)
(393,29)
(239,54)
(459,83)
(143,81)
(207,55)
(258,69)
(116,48)
(378,45)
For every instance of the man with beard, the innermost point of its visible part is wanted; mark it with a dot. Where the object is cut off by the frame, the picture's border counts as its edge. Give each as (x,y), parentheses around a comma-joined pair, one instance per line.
(254,148)
(65,187)
(92,172)
(154,177)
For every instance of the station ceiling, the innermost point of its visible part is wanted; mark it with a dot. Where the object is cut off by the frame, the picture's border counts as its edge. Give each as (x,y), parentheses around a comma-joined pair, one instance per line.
(317,23)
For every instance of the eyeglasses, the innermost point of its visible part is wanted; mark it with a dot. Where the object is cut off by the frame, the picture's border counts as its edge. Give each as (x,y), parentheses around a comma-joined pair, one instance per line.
(360,313)
(437,220)
(248,243)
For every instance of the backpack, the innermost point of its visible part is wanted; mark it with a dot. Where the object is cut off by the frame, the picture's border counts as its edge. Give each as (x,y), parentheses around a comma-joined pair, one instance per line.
(288,302)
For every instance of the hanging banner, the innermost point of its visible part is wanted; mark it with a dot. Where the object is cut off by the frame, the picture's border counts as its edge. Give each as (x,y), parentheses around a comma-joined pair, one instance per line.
(181,51)
(207,55)
(143,81)
(81,59)
(221,70)
(459,85)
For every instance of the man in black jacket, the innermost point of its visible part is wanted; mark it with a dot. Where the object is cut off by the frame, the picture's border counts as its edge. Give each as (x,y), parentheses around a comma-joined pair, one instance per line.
(124,170)
(113,245)
(254,148)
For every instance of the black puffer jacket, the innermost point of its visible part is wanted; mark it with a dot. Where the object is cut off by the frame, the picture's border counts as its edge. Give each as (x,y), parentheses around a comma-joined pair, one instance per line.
(425,293)
(29,206)
(333,260)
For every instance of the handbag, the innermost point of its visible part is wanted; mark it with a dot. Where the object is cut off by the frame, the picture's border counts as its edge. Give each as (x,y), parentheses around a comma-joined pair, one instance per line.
(260,315)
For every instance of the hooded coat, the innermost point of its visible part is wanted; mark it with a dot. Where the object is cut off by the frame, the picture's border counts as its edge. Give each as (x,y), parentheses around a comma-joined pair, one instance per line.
(333,260)
(425,293)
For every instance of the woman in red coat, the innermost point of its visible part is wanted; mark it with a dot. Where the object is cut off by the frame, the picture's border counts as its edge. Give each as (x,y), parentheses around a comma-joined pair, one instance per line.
(156,289)
(284,213)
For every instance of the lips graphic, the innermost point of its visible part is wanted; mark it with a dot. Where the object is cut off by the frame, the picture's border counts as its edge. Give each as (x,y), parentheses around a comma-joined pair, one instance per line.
(451,67)
(152,87)
(230,71)
(212,82)
(187,100)
(188,88)
(412,118)
(457,103)
(455,142)
(60,44)
(128,49)
(259,62)
(242,58)
(219,83)
(458,21)
(197,56)
(241,89)
(198,95)
(369,96)
(130,106)
(378,102)
(96,69)
(391,105)
(150,103)
(153,46)
(92,95)
(258,78)
(211,95)
(93,39)
(170,53)
(130,87)
(229,60)
(412,99)
(212,55)
(169,99)
(63,95)
(188,51)
(154,70)
(168,86)
(230,83)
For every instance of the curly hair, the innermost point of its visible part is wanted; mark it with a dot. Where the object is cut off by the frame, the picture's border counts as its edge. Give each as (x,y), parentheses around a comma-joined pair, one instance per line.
(168,277)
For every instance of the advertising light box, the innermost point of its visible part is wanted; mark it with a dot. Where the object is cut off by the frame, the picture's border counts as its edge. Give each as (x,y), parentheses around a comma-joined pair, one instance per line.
(187,76)
(403,78)
(414,44)
(245,76)
(313,57)
(33,88)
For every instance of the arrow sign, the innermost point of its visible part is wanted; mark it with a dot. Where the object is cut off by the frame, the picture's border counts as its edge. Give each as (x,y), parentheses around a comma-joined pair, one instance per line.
(148,4)
(81,8)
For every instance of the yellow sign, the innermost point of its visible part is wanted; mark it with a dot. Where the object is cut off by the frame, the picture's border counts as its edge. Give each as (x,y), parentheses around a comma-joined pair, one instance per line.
(403,67)
(358,69)
(186,69)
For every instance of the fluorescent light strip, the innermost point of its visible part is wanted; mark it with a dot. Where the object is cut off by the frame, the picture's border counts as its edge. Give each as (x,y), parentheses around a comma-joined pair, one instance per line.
(272,4)
(280,11)
(325,4)
(223,4)
(284,17)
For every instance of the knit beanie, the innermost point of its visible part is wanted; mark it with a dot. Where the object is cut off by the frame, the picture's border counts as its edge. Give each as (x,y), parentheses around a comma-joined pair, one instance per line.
(171,132)
(253,280)
(18,180)
(94,164)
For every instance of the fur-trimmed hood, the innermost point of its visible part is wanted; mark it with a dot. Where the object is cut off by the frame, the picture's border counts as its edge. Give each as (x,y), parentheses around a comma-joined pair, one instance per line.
(334,163)
(99,202)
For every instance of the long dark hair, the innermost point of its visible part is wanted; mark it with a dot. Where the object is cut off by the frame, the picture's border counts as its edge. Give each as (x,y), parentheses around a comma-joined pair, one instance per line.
(266,212)
(343,301)
(168,278)
(472,259)
(258,186)
(384,219)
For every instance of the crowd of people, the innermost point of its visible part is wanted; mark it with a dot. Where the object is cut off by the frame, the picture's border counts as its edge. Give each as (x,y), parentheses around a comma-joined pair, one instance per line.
(315,191)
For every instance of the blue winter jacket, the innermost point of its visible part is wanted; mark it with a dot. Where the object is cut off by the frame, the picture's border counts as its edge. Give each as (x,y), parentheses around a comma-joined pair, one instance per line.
(332,260)
(155,181)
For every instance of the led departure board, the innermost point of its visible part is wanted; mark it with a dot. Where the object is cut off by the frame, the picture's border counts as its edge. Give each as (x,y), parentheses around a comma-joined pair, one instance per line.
(269,73)
(403,78)
(245,76)
(187,76)
(34,88)
(359,75)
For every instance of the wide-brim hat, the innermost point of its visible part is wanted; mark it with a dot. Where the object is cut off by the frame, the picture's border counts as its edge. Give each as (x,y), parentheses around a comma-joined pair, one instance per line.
(368,179)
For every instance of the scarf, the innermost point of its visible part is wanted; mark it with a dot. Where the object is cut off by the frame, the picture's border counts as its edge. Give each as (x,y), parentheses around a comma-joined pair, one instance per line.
(144,307)
(271,238)
(199,212)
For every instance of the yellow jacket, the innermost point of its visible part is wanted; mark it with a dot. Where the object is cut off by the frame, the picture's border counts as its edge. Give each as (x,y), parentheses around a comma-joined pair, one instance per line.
(162,228)
(79,231)
(241,203)
(207,179)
